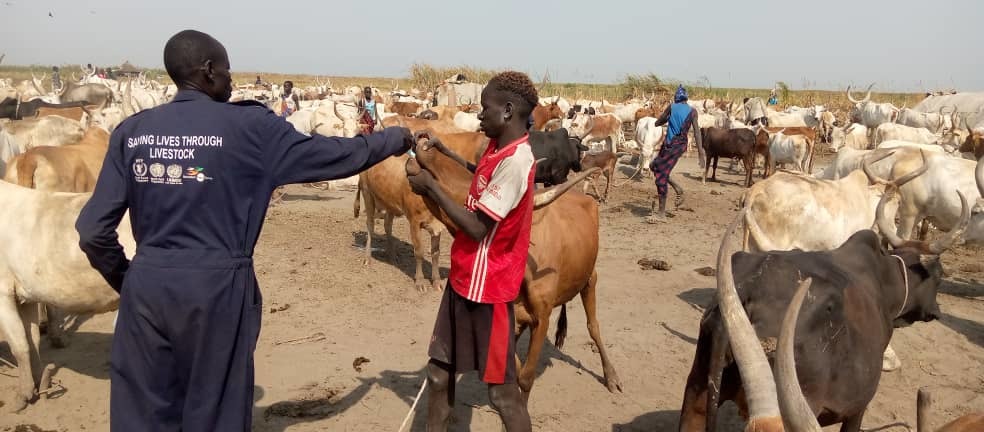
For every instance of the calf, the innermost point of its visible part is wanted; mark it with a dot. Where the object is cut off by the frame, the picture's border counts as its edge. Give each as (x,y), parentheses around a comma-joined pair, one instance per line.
(728,143)
(860,292)
(795,149)
(561,264)
(606,162)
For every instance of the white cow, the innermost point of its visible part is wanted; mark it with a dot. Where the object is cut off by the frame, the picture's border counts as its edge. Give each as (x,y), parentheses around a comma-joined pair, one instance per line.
(891,131)
(873,114)
(55,273)
(466,121)
(931,196)
(854,136)
(649,137)
(302,120)
(336,119)
(783,149)
(935,122)
(48,130)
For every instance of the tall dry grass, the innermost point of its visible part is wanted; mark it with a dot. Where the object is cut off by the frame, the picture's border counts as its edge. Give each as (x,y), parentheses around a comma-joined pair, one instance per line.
(426,76)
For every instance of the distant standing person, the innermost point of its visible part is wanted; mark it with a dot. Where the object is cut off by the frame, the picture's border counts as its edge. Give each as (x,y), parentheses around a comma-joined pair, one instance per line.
(680,117)
(258,80)
(370,115)
(56,83)
(289,103)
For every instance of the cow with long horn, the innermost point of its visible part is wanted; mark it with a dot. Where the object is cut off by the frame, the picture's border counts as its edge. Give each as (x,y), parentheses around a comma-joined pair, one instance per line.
(872,114)
(860,292)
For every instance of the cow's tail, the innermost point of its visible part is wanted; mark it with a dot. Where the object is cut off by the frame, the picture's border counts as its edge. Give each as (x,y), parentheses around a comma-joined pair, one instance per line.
(561,327)
(25,165)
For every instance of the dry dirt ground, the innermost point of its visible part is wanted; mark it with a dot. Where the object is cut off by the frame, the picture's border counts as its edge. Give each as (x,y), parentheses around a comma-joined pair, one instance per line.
(323,310)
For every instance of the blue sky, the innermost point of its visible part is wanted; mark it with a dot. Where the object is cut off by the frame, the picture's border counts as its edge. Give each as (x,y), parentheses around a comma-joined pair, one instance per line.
(901,45)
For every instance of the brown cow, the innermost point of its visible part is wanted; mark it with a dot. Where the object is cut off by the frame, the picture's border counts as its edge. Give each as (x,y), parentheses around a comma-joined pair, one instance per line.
(544,113)
(561,263)
(644,112)
(74,113)
(444,125)
(606,162)
(599,127)
(385,187)
(974,143)
(405,109)
(70,168)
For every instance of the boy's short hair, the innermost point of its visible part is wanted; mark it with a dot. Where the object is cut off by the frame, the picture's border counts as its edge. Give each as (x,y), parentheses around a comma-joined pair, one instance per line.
(519,87)
(289,82)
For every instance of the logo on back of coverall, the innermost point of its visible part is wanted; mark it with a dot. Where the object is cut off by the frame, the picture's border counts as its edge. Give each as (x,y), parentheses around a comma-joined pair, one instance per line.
(196,173)
(140,170)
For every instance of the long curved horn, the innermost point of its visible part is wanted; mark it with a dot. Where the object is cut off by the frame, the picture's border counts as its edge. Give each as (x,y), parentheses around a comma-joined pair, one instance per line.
(334,106)
(944,243)
(547,196)
(883,226)
(850,98)
(872,158)
(867,97)
(796,413)
(756,376)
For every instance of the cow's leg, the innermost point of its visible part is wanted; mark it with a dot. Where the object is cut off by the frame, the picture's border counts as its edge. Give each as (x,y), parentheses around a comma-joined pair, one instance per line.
(923,229)
(435,233)
(418,256)
(390,240)
(56,327)
(608,182)
(852,424)
(707,166)
(714,172)
(14,329)
(370,225)
(539,325)
(907,221)
(749,166)
(589,300)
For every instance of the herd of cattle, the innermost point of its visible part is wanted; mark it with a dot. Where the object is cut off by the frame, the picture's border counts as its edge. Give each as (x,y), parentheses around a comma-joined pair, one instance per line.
(801,230)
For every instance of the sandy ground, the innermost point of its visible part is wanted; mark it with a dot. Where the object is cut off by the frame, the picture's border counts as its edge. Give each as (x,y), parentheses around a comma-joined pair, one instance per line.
(323,309)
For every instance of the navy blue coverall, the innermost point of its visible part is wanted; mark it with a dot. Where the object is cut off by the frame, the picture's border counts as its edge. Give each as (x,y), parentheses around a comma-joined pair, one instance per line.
(196,176)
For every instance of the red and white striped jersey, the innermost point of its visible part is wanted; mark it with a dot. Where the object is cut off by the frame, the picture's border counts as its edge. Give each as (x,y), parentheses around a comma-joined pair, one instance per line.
(491,270)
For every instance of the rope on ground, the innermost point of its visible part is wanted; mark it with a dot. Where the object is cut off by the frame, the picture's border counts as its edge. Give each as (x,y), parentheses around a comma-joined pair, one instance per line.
(414,406)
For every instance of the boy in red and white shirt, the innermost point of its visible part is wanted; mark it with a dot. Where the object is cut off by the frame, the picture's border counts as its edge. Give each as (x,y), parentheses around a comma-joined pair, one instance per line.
(475,322)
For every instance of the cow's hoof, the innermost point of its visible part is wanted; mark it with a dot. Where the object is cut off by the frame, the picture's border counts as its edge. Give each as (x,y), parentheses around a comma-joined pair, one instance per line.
(613,383)
(437,285)
(420,285)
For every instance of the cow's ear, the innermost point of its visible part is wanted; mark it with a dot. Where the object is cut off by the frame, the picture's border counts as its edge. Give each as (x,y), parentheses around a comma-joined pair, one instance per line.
(582,147)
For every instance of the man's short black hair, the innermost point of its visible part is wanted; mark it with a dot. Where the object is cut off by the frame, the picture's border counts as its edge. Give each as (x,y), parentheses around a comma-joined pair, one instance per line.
(518,88)
(289,82)
(186,52)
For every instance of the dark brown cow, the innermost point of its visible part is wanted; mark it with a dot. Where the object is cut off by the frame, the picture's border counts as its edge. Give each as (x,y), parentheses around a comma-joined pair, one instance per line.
(561,264)
(729,143)
(860,291)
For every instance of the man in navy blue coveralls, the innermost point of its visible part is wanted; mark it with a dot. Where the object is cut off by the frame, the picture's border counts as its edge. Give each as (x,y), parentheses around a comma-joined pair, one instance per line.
(196,175)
